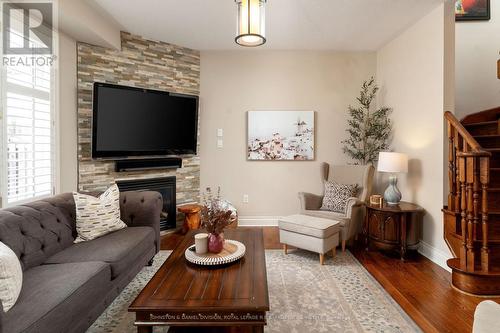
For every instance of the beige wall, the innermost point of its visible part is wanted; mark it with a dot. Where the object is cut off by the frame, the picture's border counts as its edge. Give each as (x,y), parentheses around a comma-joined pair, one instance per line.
(67,114)
(477,52)
(83,22)
(234,82)
(86,22)
(411,73)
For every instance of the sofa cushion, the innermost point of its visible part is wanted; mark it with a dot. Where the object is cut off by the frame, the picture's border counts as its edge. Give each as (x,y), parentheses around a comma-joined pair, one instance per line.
(486,317)
(309,225)
(53,295)
(120,249)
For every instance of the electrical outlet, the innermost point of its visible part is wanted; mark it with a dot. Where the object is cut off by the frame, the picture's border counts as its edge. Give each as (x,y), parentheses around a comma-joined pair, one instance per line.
(220,143)
(245,198)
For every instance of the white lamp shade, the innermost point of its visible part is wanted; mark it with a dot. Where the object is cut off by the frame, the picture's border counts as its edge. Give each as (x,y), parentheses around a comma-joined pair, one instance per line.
(392,162)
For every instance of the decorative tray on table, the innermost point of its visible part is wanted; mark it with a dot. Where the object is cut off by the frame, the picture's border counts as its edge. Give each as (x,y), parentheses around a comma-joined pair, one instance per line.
(232,251)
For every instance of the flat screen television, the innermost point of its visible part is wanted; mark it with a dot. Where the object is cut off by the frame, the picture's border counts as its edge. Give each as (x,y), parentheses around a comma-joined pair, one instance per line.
(131,121)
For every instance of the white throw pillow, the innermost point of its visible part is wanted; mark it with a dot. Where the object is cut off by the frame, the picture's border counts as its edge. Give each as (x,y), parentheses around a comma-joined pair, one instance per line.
(11,277)
(96,217)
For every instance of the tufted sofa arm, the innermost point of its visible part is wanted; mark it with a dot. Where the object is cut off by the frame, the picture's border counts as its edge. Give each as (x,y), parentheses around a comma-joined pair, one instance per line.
(309,201)
(142,208)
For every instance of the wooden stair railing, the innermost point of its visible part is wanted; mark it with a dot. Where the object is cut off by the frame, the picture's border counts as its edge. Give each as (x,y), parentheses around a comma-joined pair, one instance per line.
(468,177)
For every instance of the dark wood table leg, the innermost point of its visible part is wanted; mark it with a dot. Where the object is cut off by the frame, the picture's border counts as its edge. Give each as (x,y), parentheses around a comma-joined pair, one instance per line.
(403,236)
(144,329)
(258,329)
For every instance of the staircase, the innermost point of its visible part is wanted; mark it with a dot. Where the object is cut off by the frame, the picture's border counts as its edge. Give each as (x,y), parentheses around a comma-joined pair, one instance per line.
(472,216)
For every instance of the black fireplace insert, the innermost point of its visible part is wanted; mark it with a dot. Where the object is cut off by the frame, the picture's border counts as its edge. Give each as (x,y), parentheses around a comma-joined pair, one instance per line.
(166,187)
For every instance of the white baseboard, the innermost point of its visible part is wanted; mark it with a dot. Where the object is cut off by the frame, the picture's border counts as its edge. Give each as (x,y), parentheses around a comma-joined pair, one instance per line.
(435,255)
(258,221)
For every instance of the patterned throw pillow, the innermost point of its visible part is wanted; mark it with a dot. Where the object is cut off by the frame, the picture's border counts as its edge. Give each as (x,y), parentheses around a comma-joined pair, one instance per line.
(11,277)
(336,196)
(96,217)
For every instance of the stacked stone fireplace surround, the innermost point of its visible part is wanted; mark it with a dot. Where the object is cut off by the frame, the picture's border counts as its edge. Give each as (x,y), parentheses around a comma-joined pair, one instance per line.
(140,63)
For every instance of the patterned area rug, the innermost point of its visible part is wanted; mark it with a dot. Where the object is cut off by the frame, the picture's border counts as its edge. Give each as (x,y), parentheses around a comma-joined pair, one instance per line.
(340,296)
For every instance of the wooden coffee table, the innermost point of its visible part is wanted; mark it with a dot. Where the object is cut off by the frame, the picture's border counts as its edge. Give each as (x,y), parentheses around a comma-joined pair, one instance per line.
(189,298)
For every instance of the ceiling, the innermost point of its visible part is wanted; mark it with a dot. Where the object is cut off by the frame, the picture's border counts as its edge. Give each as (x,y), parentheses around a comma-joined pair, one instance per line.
(341,25)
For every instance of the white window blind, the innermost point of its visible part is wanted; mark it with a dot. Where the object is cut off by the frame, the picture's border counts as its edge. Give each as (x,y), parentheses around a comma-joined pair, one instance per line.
(28,129)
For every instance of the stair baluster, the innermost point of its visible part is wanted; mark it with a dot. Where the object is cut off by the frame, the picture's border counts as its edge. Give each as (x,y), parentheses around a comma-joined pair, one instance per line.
(451,168)
(476,188)
(463,208)
(470,212)
(484,178)
(457,181)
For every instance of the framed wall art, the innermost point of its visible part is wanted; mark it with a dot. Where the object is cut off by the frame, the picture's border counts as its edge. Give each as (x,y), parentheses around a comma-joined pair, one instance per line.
(280,135)
(472,10)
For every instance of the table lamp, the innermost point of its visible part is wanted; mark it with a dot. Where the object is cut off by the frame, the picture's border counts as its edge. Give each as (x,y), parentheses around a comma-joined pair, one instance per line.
(392,163)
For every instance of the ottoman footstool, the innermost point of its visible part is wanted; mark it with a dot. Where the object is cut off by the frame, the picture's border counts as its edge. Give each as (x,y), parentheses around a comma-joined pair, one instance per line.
(309,233)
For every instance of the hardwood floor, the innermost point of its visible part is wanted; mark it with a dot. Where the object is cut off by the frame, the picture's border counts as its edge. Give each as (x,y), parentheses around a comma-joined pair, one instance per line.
(422,289)
(418,285)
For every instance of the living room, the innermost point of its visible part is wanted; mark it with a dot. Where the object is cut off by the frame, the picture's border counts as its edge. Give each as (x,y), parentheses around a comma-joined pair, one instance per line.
(250,166)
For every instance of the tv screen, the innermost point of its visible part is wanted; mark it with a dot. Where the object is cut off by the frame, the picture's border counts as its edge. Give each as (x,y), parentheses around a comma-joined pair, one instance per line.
(133,121)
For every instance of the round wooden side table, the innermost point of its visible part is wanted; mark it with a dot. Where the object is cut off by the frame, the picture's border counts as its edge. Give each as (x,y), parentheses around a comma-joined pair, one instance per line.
(392,227)
(191,217)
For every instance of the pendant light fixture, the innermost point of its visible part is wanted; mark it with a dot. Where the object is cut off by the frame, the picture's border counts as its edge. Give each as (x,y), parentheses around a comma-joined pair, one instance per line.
(251,22)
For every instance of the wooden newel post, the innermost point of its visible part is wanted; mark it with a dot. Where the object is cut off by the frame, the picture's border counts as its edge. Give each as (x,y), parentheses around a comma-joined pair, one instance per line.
(484,166)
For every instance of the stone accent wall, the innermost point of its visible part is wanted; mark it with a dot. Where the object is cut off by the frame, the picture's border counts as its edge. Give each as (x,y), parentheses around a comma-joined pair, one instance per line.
(140,63)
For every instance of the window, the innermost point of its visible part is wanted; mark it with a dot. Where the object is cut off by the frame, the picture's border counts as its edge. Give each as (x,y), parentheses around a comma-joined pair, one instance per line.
(28,157)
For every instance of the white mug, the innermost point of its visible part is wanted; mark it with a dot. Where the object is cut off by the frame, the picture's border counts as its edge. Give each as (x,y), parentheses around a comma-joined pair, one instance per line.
(201,243)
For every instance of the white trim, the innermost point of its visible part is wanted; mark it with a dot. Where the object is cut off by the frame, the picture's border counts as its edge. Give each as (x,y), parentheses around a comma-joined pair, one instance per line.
(258,221)
(55,104)
(3,135)
(435,255)
(53,95)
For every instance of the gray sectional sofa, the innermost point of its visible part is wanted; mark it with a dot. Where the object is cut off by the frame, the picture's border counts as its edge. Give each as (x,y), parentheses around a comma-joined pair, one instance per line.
(67,286)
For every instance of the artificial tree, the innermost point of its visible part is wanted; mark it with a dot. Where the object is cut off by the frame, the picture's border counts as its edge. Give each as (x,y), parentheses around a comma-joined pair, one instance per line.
(369,132)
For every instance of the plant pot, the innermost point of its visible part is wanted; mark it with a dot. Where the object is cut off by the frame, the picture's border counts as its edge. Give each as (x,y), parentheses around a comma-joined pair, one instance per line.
(215,243)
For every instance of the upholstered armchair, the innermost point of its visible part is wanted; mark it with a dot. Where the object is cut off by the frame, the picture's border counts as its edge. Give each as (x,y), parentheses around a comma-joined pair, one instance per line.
(351,221)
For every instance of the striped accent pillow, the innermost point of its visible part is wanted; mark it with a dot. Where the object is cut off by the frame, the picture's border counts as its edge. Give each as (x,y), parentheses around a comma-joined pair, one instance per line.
(96,217)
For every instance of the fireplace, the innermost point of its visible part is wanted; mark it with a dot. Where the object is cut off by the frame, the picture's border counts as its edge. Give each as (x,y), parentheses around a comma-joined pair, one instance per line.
(166,187)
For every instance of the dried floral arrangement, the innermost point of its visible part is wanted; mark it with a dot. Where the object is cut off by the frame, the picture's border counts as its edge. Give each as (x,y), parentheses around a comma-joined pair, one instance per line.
(214,214)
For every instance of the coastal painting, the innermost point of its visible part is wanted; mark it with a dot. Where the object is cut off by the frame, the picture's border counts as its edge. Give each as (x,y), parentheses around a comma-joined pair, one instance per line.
(280,135)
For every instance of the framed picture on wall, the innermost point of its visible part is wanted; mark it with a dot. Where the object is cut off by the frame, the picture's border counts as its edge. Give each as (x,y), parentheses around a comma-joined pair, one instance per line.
(280,135)
(472,10)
